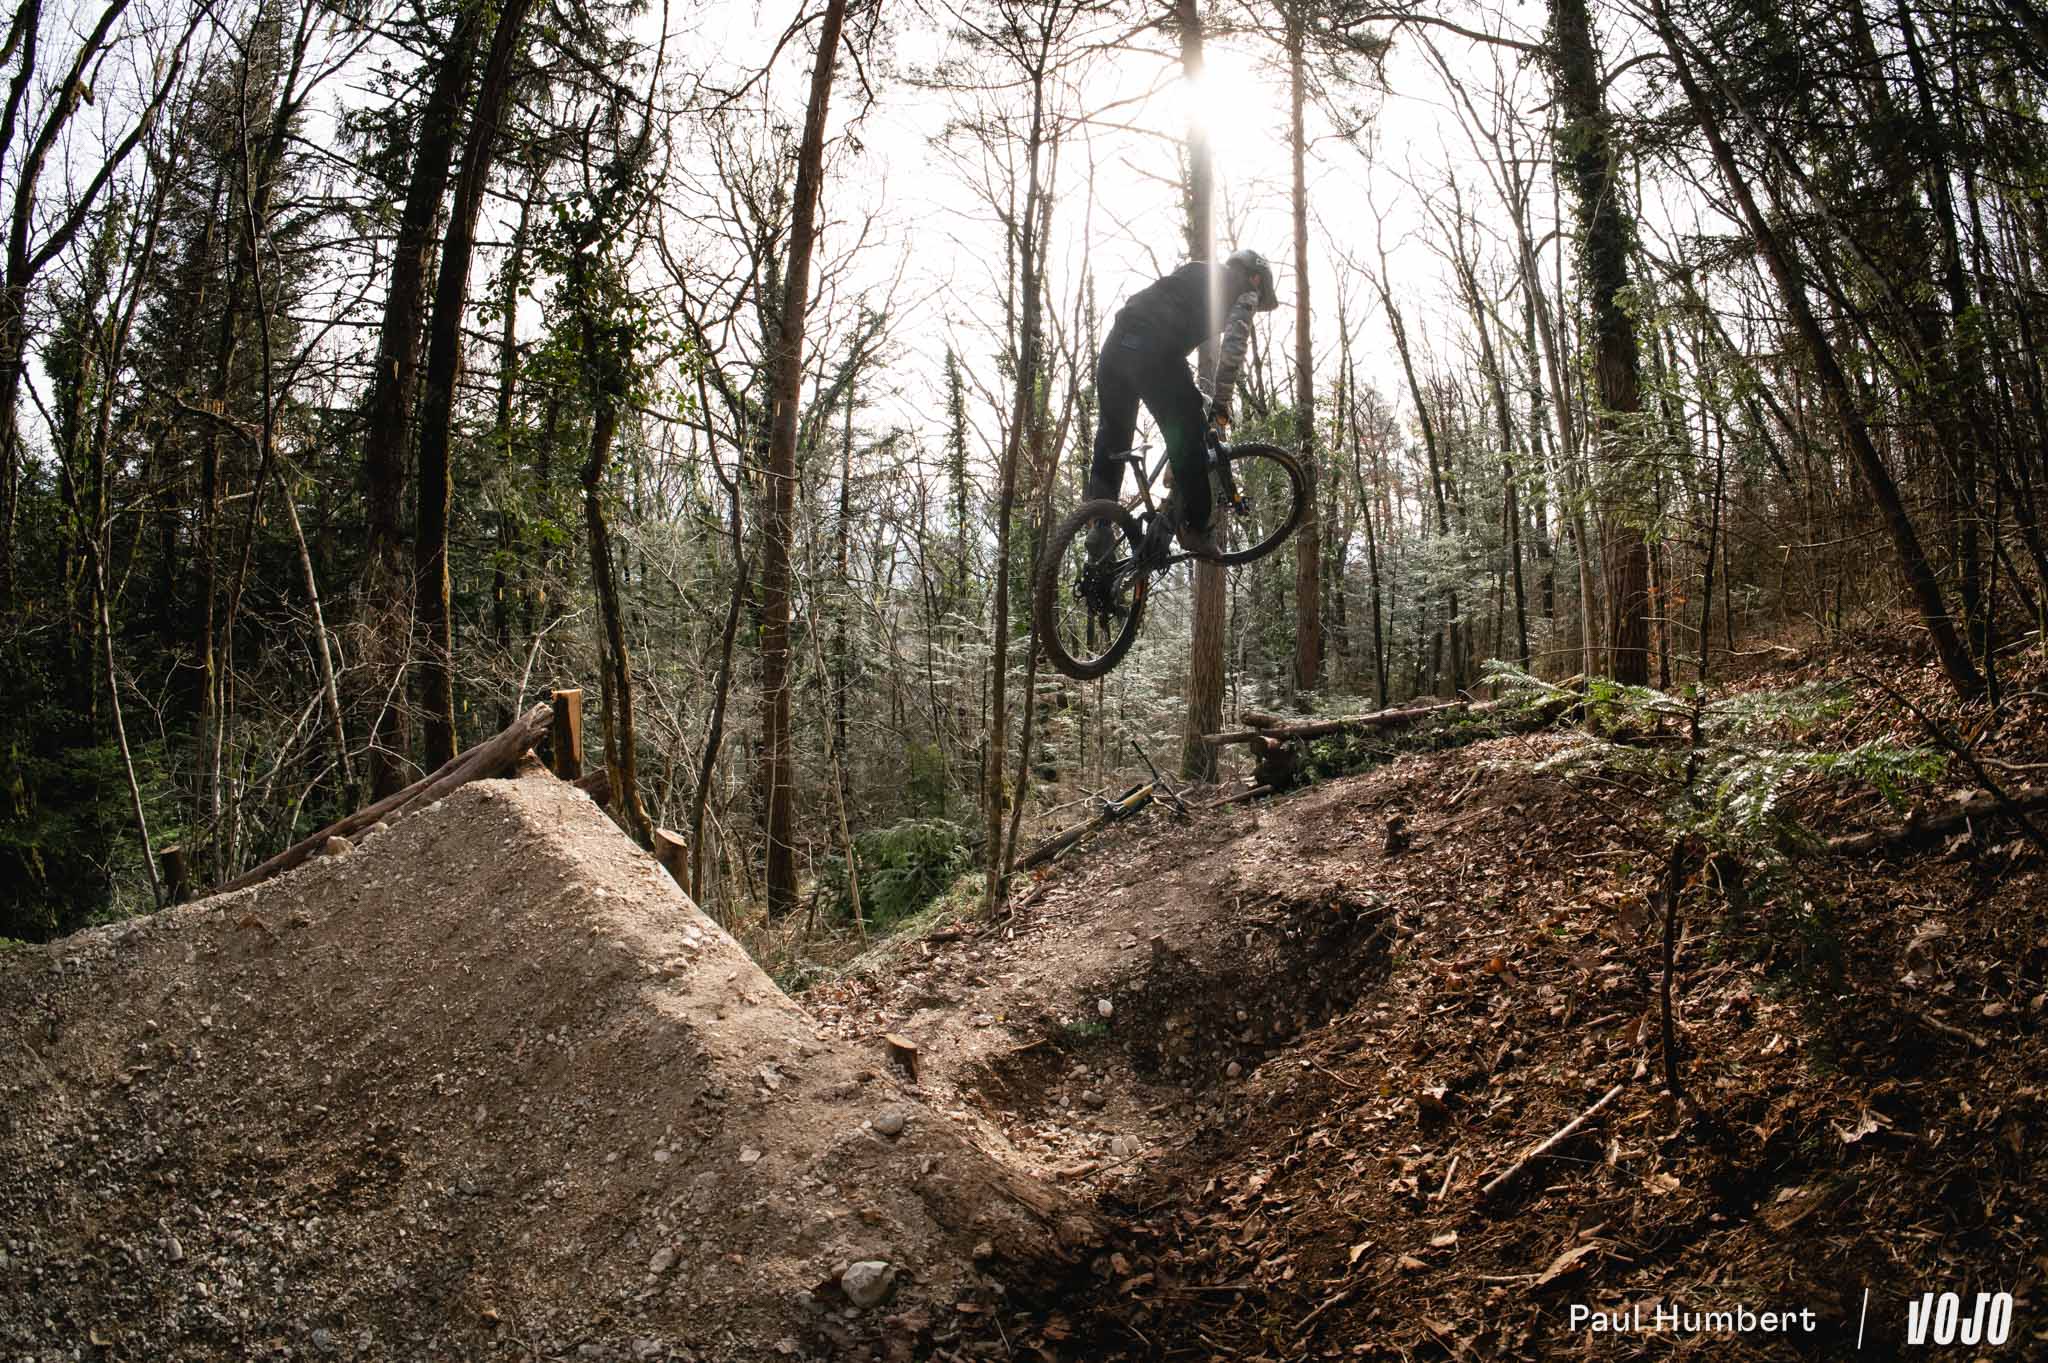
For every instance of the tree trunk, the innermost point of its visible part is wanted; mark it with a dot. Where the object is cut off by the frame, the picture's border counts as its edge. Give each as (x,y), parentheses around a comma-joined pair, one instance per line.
(1024,420)
(1205,647)
(387,599)
(444,363)
(1308,539)
(787,371)
(1607,238)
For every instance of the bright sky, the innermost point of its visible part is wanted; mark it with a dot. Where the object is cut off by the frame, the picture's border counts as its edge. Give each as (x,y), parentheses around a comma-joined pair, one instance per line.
(946,243)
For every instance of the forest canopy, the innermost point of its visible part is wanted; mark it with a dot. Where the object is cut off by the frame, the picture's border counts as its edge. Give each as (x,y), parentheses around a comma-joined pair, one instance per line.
(369,370)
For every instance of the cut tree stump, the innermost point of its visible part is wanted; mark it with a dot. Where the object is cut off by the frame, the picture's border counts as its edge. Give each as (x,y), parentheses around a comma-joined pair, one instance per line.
(492,757)
(171,867)
(565,734)
(597,785)
(672,850)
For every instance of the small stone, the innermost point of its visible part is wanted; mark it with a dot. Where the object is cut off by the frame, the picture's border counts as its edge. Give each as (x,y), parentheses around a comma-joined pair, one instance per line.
(868,1283)
(664,1259)
(1104,1007)
(984,1249)
(748,1154)
(1091,1098)
(173,1251)
(889,1121)
(1233,1069)
(336,847)
(325,1342)
(661,1157)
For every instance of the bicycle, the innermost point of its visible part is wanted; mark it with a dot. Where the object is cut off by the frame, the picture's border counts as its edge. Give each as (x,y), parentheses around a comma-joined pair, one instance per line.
(1087,628)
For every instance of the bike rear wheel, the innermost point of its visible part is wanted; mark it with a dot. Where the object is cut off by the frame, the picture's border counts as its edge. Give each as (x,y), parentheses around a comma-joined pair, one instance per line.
(1272,498)
(1088,607)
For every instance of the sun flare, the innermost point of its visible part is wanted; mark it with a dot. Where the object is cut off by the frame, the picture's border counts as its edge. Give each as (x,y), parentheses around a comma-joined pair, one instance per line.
(1237,111)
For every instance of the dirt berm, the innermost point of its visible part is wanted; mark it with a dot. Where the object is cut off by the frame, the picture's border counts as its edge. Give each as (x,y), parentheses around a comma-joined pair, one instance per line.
(487,1085)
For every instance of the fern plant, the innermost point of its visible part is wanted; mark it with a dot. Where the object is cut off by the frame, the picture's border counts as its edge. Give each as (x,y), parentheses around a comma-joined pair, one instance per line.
(1749,754)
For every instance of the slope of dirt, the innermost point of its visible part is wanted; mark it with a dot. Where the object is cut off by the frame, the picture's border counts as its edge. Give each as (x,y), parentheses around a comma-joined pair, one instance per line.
(1118,1002)
(487,1085)
(1863,1039)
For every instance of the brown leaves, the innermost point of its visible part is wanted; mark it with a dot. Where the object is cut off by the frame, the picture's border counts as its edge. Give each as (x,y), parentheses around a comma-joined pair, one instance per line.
(1570,1261)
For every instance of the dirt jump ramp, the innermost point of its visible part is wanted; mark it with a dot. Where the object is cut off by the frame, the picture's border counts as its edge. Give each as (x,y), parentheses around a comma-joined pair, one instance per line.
(487,1085)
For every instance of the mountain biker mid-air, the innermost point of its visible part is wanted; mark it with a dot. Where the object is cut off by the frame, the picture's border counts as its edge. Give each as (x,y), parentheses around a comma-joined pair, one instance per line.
(1144,359)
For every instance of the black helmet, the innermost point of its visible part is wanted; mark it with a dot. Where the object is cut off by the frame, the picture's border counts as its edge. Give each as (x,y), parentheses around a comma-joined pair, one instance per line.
(1258,273)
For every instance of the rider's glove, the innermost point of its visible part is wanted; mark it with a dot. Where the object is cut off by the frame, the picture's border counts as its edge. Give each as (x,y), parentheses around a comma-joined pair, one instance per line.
(1219,420)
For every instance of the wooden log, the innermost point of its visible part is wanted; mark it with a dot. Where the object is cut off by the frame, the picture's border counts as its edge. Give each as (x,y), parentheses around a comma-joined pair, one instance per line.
(489,758)
(1260,719)
(673,852)
(2025,800)
(1378,719)
(565,734)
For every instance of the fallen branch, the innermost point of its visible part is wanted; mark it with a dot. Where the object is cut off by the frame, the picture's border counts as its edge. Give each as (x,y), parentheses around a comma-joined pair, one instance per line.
(1969,755)
(1564,1133)
(1948,1029)
(2018,803)
(1239,798)
(489,758)
(1131,803)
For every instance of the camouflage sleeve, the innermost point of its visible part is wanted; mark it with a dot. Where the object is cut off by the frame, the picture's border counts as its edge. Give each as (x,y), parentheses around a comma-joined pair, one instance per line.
(1237,334)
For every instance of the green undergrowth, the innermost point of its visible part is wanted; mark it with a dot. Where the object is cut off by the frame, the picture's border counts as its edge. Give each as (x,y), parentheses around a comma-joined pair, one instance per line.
(1753,747)
(1736,817)
(903,869)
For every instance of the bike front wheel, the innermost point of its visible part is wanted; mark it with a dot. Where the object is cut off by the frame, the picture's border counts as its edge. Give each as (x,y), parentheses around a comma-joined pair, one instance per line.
(1272,498)
(1088,595)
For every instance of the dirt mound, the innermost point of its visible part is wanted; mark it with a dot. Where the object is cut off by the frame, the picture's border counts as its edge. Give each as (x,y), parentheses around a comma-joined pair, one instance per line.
(487,1085)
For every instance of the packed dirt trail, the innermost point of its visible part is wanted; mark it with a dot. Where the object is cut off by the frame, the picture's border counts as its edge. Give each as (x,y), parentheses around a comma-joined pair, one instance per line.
(486,1085)
(1100,1022)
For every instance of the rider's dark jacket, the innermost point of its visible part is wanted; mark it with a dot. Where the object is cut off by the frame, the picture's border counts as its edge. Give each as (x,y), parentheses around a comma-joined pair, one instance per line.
(1189,307)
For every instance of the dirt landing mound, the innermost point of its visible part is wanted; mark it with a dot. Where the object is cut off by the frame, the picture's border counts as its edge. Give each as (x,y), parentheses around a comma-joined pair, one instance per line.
(486,1086)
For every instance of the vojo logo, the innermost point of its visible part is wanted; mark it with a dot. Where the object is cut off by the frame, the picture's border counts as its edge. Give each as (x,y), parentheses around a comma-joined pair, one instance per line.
(1937,1318)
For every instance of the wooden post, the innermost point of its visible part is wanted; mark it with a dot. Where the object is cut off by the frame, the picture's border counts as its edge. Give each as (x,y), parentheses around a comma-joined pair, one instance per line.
(565,734)
(673,852)
(170,863)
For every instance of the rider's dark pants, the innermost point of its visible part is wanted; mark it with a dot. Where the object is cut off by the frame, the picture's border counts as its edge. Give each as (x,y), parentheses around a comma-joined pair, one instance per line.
(1134,368)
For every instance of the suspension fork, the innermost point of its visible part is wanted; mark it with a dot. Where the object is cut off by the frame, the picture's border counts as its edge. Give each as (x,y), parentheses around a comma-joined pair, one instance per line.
(1226,476)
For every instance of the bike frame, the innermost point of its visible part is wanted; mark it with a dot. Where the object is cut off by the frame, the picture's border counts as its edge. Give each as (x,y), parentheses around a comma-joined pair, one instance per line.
(1154,520)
